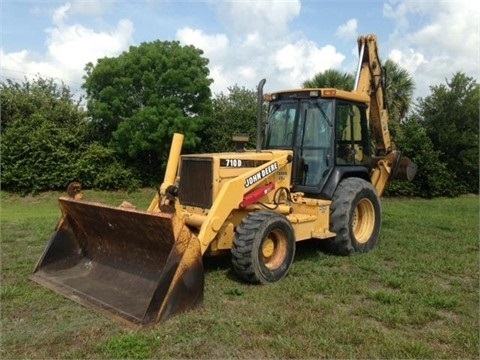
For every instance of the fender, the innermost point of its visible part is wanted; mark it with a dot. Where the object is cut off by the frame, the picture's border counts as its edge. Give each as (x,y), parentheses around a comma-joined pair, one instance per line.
(338,174)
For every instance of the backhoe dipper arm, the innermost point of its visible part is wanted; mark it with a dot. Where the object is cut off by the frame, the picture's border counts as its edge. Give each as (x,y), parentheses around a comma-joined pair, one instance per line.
(369,81)
(387,161)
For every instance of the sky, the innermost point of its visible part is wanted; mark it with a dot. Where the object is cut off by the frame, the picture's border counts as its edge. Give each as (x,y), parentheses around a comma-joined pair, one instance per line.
(284,41)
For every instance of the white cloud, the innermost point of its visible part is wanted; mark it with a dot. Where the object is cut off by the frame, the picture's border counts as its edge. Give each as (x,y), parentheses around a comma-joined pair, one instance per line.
(254,50)
(257,44)
(72,46)
(218,73)
(213,45)
(446,41)
(409,59)
(20,64)
(244,62)
(398,13)
(249,73)
(69,48)
(270,18)
(60,14)
(253,40)
(431,39)
(90,7)
(302,60)
(348,30)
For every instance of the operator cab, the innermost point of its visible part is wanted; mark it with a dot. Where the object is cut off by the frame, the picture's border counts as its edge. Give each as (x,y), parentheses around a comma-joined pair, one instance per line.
(328,136)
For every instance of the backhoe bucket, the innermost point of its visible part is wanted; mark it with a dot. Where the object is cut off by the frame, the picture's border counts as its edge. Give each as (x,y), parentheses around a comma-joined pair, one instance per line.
(406,169)
(135,266)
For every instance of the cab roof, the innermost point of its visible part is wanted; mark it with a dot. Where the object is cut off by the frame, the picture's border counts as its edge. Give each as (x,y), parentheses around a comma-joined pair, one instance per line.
(331,93)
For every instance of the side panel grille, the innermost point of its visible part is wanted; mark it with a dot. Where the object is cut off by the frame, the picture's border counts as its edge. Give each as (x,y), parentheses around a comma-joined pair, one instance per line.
(196,182)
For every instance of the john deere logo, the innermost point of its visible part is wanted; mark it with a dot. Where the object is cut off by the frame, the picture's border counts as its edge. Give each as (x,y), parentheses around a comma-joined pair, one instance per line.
(261,174)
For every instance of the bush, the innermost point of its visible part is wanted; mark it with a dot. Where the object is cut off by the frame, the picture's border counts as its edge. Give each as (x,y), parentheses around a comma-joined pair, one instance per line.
(432,178)
(37,155)
(99,169)
(45,144)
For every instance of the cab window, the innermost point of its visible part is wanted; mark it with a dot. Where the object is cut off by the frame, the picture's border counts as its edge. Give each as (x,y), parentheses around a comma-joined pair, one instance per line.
(351,134)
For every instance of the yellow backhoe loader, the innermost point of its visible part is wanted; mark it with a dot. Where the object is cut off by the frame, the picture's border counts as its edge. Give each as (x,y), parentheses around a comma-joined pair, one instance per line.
(318,170)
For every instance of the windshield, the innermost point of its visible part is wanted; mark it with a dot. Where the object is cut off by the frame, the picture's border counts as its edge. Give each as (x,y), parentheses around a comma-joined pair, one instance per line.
(281,124)
(300,123)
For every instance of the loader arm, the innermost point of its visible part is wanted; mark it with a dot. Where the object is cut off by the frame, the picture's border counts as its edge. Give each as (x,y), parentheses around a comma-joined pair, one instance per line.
(231,196)
(170,172)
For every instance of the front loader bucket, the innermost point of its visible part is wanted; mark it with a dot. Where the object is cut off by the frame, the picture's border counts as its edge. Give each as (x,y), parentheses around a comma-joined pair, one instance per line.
(135,266)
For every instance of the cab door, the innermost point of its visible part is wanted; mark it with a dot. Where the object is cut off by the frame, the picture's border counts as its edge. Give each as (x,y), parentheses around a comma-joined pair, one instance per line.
(313,144)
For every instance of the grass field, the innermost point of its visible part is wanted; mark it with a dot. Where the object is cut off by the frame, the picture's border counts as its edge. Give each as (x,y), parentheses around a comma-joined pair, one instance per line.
(415,296)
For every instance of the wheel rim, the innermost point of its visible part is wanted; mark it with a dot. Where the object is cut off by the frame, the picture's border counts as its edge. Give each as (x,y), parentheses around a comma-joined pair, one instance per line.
(363,220)
(274,250)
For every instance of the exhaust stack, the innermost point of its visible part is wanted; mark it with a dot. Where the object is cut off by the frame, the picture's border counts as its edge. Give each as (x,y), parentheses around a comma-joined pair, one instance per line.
(259,114)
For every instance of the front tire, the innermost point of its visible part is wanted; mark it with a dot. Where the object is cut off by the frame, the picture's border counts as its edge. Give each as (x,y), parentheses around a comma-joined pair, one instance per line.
(355,216)
(263,247)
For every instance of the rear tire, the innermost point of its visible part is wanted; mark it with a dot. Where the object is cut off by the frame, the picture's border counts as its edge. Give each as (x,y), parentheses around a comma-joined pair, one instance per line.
(355,216)
(263,247)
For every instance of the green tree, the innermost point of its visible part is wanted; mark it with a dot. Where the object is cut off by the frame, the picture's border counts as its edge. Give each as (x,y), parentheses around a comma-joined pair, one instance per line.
(432,178)
(399,87)
(43,139)
(137,100)
(331,79)
(233,113)
(451,118)
(399,90)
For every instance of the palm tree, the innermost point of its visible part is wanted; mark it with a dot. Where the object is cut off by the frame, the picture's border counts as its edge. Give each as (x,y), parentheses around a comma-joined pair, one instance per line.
(331,79)
(399,90)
